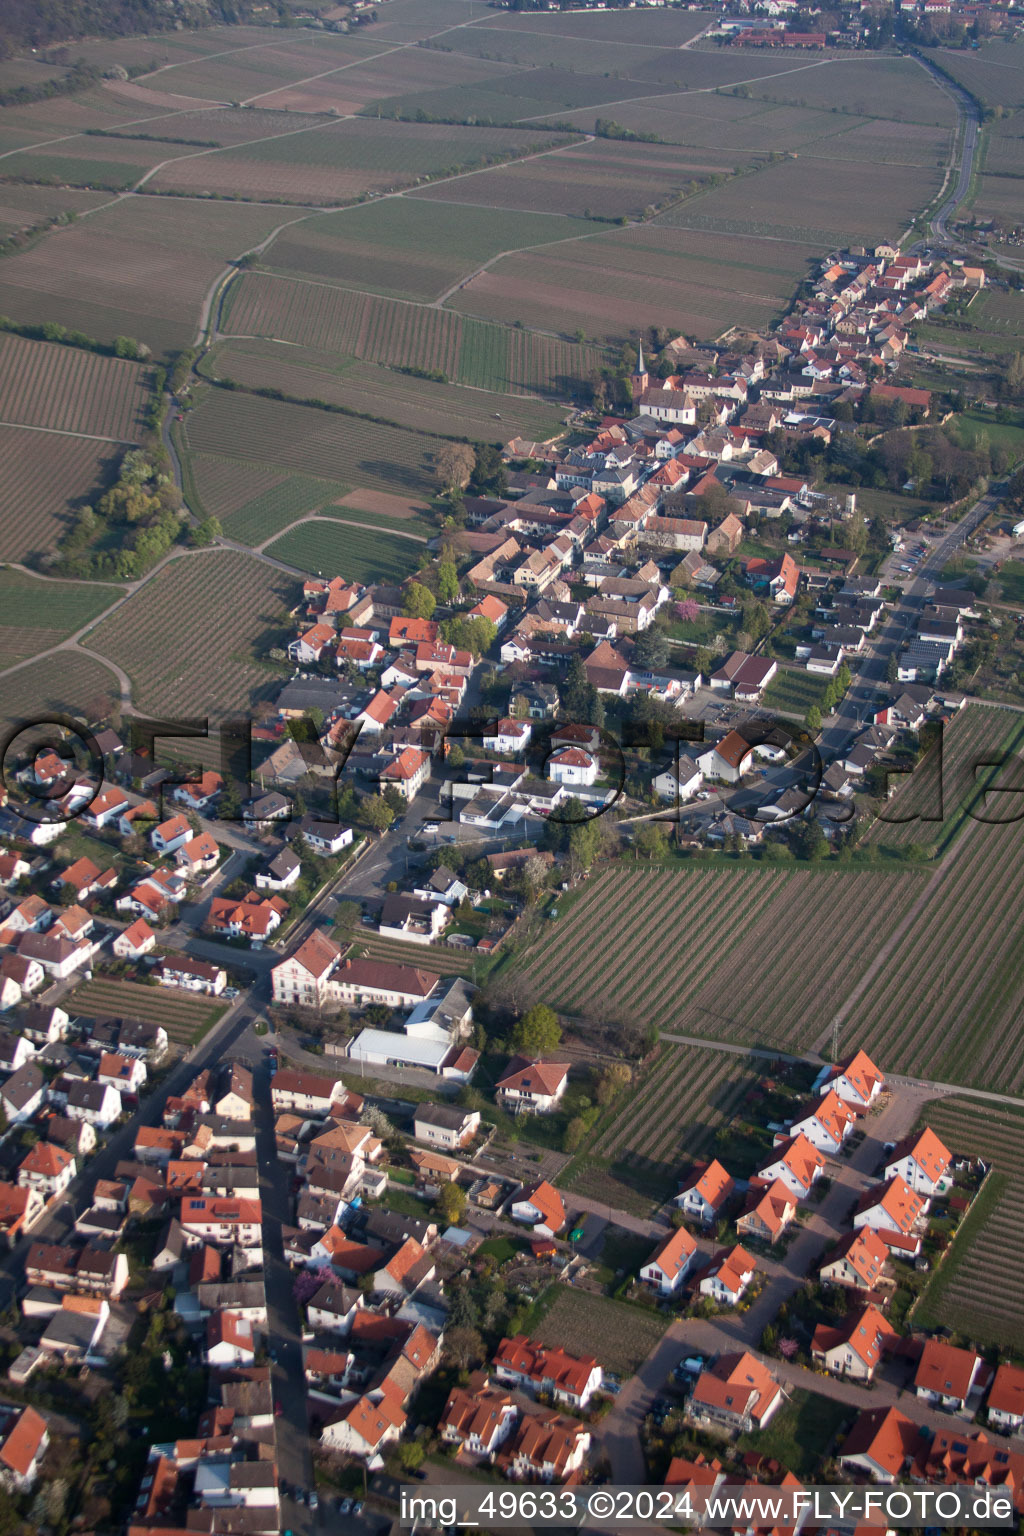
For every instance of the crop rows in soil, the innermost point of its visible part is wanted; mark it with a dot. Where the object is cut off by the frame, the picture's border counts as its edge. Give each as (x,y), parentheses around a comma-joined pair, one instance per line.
(43,385)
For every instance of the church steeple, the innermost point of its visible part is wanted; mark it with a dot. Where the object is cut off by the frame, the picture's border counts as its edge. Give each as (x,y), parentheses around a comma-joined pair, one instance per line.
(640,378)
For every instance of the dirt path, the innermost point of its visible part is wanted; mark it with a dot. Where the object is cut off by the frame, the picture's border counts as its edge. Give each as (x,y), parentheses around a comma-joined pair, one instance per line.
(324,517)
(89,437)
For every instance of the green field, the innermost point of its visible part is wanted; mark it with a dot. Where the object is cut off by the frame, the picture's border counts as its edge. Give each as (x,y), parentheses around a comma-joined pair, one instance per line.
(1011,582)
(802,1432)
(794,691)
(384,392)
(34,603)
(407,248)
(341,549)
(310,442)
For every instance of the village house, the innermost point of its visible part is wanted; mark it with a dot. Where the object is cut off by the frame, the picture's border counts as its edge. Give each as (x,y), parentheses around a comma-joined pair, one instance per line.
(1005,1406)
(825,1124)
(540,1206)
(544,1447)
(922,1162)
(532,1087)
(136,940)
(569,1379)
(737,1393)
(856,1080)
(478,1418)
(897,1213)
(879,1446)
(858,1261)
(445,1125)
(855,1346)
(728,1276)
(947,1376)
(670,1263)
(706,1195)
(768,1213)
(797,1163)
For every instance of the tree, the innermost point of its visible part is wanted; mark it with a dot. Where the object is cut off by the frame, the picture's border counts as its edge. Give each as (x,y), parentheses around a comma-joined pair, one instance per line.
(447,582)
(651,648)
(490,477)
(451,1203)
(812,719)
(453,465)
(891,669)
(346,915)
(420,602)
(376,813)
(537,1032)
(649,840)
(411,1454)
(456,756)
(464,1346)
(585,841)
(475,635)
(573,1135)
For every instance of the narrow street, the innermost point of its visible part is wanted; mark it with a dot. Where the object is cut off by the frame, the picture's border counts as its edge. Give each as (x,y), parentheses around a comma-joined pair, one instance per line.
(294,1456)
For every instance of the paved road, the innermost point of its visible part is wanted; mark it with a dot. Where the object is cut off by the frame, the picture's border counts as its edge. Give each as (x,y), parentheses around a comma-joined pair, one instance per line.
(869,688)
(294,1454)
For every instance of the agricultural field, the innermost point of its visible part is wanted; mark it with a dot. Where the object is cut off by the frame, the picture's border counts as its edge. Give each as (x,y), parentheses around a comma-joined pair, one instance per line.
(995,74)
(340,160)
(236,606)
(137,268)
(68,681)
(930,810)
(346,549)
(634,920)
(635,1163)
(43,476)
(977,1290)
(366,86)
(438,957)
(947,1003)
(311,442)
(366,387)
(257,70)
(617,1335)
(695,282)
(22,207)
(185,1017)
(42,385)
(405,248)
(404,335)
(36,613)
(604,178)
(831,203)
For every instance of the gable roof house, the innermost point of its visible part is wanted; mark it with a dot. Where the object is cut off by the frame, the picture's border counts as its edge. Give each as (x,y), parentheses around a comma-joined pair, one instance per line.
(880,1445)
(540,1206)
(768,1212)
(855,1347)
(1006,1398)
(728,1275)
(738,1392)
(567,1378)
(707,1193)
(826,1124)
(670,1263)
(797,1162)
(856,1080)
(896,1212)
(532,1087)
(478,1418)
(947,1376)
(922,1161)
(858,1261)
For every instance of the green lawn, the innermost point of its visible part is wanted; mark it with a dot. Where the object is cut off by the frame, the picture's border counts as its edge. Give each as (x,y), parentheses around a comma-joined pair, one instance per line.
(795,691)
(1011,581)
(971,424)
(801,1432)
(339,549)
(29,603)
